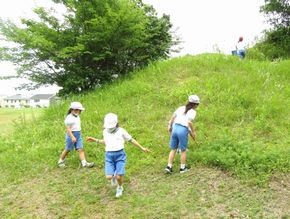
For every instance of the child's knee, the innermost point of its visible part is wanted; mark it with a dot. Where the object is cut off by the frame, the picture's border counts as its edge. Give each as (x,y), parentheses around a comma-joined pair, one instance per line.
(119,177)
(109,177)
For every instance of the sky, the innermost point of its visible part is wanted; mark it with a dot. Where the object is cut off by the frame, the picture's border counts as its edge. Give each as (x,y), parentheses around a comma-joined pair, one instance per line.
(202,25)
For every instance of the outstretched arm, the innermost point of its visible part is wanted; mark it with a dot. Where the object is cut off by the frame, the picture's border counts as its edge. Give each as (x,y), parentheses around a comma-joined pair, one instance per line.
(98,141)
(135,143)
(191,131)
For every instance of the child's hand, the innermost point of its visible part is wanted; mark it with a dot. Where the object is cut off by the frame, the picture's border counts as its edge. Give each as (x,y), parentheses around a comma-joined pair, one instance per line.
(146,150)
(73,139)
(169,129)
(91,139)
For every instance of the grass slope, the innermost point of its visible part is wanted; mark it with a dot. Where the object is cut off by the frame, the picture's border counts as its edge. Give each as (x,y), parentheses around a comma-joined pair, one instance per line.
(9,116)
(242,125)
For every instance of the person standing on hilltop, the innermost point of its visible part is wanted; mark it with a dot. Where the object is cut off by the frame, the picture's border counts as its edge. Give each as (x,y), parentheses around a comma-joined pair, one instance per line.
(241,48)
(115,157)
(73,135)
(179,126)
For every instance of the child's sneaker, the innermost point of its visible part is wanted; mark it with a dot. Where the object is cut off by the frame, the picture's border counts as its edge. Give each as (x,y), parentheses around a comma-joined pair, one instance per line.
(114,181)
(61,164)
(168,169)
(183,170)
(119,191)
(89,165)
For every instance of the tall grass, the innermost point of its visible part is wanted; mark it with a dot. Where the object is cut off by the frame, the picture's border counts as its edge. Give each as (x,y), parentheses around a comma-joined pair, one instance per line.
(242,123)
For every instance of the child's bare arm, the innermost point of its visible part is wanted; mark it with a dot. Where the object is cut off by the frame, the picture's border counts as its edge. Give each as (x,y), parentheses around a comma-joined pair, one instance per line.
(69,132)
(135,143)
(170,123)
(92,139)
(192,131)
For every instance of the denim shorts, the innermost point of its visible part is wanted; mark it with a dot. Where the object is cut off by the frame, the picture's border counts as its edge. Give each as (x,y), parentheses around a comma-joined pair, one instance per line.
(179,136)
(115,162)
(69,145)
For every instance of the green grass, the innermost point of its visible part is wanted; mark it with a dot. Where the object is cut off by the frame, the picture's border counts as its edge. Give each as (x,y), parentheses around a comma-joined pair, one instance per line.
(9,117)
(240,163)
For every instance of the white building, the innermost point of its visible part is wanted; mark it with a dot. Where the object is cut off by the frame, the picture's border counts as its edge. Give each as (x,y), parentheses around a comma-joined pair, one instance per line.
(16,101)
(2,104)
(41,100)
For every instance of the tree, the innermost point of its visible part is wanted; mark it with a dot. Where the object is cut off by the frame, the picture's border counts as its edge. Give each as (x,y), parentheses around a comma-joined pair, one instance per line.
(278,12)
(277,40)
(94,40)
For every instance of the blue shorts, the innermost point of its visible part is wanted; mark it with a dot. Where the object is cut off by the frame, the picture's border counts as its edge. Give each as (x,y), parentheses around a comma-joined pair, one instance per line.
(179,136)
(115,162)
(69,145)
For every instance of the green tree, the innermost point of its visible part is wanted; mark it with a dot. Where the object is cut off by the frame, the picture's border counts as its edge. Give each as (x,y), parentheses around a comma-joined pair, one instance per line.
(277,12)
(93,41)
(277,40)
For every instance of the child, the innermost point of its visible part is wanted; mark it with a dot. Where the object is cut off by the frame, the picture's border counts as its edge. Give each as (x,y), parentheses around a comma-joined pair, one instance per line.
(241,48)
(179,126)
(115,158)
(73,135)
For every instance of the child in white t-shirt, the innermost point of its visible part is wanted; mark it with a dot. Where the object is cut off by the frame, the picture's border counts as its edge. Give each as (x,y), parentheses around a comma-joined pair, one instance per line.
(241,48)
(179,126)
(73,137)
(114,138)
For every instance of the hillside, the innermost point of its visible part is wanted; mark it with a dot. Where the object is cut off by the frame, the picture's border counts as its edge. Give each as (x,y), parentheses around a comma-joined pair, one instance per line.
(240,162)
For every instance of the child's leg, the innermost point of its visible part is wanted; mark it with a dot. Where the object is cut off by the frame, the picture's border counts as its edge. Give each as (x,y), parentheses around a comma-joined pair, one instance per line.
(109,177)
(119,190)
(64,154)
(183,157)
(62,157)
(171,157)
(82,154)
(120,179)
(83,159)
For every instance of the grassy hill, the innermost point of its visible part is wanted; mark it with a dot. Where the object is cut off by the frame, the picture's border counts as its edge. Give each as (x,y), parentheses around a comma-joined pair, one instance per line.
(240,162)
(9,115)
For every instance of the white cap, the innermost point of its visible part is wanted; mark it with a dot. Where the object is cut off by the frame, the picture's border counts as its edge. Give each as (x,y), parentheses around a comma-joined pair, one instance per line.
(110,121)
(76,105)
(193,99)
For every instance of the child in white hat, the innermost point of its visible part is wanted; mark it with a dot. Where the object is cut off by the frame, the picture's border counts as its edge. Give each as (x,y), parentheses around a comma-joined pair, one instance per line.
(73,136)
(179,126)
(114,138)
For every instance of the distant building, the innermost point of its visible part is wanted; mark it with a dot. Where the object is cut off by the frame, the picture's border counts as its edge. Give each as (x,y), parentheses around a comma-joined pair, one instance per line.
(42,100)
(16,101)
(35,101)
(2,104)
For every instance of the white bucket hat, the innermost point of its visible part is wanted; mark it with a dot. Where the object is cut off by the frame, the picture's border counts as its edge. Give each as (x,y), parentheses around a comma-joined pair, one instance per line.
(193,99)
(76,105)
(110,121)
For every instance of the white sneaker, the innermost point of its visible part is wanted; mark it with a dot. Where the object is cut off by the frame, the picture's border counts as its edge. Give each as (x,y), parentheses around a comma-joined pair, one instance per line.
(119,191)
(61,164)
(89,165)
(114,181)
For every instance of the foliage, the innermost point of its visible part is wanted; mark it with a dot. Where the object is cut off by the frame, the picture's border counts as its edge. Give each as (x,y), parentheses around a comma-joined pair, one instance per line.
(92,43)
(278,12)
(276,44)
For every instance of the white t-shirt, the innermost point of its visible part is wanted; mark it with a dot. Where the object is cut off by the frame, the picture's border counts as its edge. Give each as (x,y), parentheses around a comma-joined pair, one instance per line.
(183,119)
(115,141)
(73,121)
(241,45)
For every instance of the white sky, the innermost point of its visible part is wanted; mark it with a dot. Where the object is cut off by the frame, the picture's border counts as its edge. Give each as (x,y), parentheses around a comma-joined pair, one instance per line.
(201,24)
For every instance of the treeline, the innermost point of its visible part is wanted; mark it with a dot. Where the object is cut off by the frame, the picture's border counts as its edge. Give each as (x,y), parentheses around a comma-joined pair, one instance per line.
(276,41)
